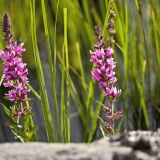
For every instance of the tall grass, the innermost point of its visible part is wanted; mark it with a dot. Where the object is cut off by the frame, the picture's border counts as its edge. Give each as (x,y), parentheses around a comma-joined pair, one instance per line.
(68,30)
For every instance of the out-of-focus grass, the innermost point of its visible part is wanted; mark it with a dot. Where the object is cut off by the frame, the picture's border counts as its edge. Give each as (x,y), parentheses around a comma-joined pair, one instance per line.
(136,54)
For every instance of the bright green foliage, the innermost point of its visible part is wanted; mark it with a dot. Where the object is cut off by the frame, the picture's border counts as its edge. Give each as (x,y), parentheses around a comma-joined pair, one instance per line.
(69,37)
(25,132)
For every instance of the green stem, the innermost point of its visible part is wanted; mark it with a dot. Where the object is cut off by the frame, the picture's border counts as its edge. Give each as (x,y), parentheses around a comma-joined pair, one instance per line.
(67,74)
(112,113)
(100,115)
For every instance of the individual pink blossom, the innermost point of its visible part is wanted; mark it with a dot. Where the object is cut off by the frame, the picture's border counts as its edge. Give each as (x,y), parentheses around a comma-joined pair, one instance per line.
(115,116)
(107,110)
(113,92)
(118,115)
(110,117)
(21,113)
(109,128)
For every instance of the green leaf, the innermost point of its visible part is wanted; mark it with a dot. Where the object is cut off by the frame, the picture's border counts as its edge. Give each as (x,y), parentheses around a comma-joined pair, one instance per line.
(17,126)
(116,131)
(9,113)
(34,92)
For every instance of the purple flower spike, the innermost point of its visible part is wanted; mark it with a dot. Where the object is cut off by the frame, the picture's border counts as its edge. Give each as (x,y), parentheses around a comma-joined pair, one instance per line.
(104,70)
(104,73)
(15,72)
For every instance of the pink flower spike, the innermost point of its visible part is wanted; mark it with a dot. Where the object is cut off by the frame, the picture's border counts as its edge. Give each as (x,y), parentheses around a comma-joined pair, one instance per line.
(103,72)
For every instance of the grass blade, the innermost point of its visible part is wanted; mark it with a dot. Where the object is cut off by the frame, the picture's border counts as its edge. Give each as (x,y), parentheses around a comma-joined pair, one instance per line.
(44,98)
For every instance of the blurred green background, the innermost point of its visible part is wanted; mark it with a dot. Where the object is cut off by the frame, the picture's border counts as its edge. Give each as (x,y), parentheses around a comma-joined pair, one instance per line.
(137,52)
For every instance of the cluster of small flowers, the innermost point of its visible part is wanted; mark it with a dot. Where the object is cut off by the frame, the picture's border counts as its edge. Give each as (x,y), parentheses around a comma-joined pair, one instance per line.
(15,72)
(113,117)
(14,69)
(104,73)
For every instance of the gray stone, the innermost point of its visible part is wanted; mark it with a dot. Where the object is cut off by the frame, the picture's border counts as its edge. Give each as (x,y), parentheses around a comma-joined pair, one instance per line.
(135,145)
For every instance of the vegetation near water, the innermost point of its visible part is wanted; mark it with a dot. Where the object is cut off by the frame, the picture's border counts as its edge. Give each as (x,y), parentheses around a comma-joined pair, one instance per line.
(68,30)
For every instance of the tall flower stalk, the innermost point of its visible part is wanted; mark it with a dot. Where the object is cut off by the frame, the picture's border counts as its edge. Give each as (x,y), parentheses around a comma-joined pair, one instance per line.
(104,73)
(15,78)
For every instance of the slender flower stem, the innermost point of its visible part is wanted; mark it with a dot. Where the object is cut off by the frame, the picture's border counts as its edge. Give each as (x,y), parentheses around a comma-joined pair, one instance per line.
(20,107)
(112,113)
